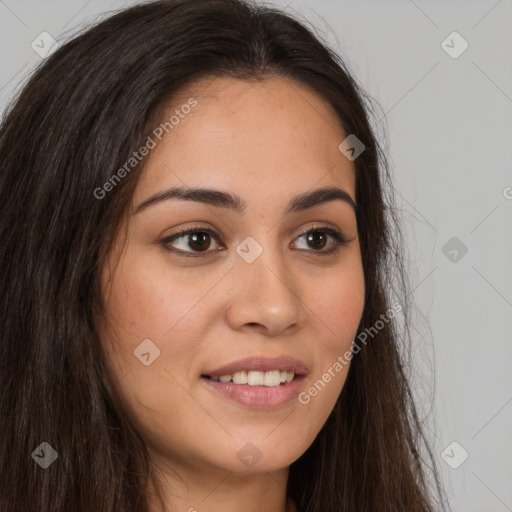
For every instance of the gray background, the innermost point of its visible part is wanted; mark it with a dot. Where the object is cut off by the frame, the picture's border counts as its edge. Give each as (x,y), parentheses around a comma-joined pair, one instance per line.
(449,131)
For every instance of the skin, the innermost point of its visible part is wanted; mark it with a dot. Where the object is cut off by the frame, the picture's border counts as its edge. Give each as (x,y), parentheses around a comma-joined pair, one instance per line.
(267,142)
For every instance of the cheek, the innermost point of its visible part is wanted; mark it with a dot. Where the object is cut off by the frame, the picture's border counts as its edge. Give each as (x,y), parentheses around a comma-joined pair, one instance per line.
(148,300)
(172,309)
(145,302)
(336,309)
(337,302)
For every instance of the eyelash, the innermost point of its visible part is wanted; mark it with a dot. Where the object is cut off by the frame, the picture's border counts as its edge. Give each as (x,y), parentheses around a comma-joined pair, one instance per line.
(339,240)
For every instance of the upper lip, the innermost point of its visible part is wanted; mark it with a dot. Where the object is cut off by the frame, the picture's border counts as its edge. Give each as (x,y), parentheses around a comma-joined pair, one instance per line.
(261,363)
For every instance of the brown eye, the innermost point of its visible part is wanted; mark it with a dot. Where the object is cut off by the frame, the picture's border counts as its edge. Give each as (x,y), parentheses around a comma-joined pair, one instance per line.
(318,239)
(199,240)
(195,241)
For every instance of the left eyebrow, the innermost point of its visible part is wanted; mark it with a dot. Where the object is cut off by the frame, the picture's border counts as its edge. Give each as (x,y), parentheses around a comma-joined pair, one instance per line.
(234,202)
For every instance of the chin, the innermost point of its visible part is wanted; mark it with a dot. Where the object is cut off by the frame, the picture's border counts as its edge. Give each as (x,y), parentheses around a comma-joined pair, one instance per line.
(266,453)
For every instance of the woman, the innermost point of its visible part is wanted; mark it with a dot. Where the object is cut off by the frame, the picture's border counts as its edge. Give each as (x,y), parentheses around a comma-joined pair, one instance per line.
(195,255)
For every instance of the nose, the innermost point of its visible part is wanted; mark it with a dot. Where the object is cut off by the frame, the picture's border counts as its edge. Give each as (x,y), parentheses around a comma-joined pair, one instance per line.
(266,296)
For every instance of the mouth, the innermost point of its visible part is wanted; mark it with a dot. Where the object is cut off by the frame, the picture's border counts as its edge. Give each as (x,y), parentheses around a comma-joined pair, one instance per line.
(258,381)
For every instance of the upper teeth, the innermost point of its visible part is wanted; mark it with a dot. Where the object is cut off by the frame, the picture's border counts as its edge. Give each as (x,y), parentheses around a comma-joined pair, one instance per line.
(255,378)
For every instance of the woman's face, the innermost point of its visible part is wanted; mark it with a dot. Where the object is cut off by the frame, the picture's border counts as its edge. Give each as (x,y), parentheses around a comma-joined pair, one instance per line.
(247,283)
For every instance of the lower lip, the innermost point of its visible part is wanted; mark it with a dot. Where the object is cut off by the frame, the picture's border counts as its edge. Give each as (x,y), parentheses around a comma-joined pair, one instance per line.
(267,397)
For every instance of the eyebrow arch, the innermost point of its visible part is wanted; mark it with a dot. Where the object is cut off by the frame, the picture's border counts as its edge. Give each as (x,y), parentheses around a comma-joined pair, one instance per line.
(234,202)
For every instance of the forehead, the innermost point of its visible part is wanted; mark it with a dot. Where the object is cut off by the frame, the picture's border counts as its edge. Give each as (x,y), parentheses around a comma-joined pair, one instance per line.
(261,138)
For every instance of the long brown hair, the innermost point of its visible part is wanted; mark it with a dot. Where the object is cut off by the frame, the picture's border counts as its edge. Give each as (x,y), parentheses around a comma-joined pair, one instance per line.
(73,125)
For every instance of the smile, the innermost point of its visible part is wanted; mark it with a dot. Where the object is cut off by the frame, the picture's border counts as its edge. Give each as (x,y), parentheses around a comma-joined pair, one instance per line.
(257,378)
